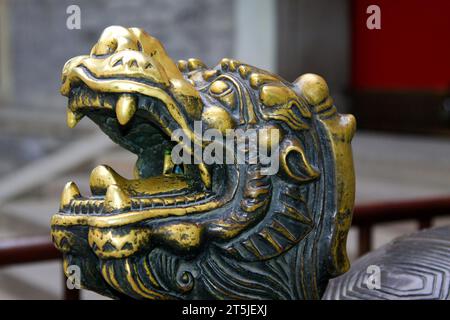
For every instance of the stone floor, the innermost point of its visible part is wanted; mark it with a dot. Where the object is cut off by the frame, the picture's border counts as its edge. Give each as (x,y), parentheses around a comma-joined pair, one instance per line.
(387,167)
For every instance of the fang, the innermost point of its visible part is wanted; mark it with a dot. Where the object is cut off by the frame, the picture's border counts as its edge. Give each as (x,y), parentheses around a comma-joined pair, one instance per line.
(125,108)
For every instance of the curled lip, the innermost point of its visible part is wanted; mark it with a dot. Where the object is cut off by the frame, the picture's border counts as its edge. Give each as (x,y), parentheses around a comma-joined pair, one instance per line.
(133,86)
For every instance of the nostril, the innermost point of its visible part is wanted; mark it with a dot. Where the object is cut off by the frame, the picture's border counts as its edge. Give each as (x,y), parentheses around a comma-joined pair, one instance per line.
(118,62)
(132,63)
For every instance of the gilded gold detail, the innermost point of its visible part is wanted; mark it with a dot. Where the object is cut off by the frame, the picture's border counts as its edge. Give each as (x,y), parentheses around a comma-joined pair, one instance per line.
(193,230)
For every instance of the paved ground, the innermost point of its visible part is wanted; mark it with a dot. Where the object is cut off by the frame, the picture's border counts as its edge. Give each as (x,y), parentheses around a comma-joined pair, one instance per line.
(387,167)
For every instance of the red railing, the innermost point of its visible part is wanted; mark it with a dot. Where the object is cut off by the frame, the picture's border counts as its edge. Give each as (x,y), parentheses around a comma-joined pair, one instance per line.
(422,210)
(40,248)
(32,249)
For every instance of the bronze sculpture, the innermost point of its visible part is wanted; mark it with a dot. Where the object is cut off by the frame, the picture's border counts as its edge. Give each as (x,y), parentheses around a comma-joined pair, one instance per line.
(194,231)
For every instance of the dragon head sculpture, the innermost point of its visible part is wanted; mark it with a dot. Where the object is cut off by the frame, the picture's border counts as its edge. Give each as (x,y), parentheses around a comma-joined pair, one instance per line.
(189,231)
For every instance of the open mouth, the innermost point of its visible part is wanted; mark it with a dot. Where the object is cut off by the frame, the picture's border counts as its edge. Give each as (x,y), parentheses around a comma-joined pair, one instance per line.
(143,125)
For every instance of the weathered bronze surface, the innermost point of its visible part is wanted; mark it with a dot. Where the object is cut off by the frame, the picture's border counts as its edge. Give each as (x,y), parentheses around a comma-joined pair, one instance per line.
(205,231)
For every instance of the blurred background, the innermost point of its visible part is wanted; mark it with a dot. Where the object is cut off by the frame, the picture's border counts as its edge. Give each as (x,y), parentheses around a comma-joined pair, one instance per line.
(395,80)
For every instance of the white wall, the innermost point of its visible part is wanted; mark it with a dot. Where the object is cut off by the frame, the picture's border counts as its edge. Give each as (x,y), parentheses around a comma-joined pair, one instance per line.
(255,33)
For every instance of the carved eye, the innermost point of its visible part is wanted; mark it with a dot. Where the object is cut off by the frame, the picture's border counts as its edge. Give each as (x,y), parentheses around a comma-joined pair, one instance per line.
(224,92)
(219,88)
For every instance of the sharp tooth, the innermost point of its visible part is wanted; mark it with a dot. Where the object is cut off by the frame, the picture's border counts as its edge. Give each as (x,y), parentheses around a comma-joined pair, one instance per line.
(72,103)
(200,196)
(96,102)
(205,175)
(69,193)
(116,199)
(168,164)
(125,108)
(169,201)
(86,101)
(79,102)
(73,118)
(102,177)
(180,199)
(157,202)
